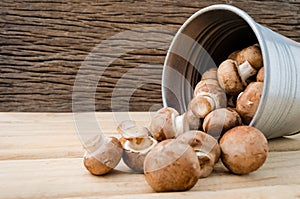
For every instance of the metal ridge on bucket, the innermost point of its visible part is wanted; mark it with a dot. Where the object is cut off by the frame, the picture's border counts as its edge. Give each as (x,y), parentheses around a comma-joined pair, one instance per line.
(208,37)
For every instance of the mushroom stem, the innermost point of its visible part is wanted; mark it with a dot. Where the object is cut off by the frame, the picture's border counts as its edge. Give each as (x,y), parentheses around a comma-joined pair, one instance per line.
(245,71)
(181,125)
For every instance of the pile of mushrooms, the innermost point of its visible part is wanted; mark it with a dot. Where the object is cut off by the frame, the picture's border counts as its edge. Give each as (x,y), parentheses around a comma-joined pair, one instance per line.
(175,150)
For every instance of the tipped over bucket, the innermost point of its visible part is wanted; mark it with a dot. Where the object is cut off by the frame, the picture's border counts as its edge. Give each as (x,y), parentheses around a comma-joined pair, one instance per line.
(208,37)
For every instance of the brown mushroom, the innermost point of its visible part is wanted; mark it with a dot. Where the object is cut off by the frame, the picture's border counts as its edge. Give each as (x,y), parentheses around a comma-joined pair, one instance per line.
(201,105)
(102,155)
(167,124)
(135,152)
(244,149)
(229,78)
(210,73)
(171,166)
(221,120)
(206,148)
(252,54)
(136,143)
(248,101)
(208,95)
(208,87)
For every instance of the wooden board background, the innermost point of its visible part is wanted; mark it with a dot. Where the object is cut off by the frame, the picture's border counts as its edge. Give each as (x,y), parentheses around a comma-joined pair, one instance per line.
(43,44)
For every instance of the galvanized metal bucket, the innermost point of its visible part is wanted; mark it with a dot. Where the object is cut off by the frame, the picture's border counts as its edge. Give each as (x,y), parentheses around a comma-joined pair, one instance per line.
(208,37)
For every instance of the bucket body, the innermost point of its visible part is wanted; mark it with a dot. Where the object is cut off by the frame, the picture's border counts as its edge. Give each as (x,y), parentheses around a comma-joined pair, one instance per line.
(208,37)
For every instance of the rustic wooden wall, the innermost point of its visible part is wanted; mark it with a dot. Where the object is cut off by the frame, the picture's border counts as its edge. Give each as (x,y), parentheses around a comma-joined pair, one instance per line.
(43,44)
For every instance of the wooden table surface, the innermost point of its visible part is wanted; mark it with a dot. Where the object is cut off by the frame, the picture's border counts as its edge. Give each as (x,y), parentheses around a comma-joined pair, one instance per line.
(41,157)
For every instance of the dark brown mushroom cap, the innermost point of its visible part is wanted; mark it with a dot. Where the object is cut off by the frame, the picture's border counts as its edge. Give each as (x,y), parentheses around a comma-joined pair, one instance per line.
(244,149)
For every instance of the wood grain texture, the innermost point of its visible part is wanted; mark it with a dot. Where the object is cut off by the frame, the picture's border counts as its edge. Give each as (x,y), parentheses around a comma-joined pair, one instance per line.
(44,43)
(41,157)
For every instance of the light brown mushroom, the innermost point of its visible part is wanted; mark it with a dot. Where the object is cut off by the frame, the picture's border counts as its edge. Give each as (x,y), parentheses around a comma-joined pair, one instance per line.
(102,155)
(210,73)
(206,148)
(208,95)
(207,86)
(248,101)
(244,149)
(135,152)
(252,54)
(229,78)
(171,166)
(167,124)
(136,143)
(221,120)
(130,129)
(201,105)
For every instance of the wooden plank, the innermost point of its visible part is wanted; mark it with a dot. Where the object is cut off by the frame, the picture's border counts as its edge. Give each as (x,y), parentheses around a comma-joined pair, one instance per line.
(291,191)
(43,44)
(41,157)
(54,135)
(66,177)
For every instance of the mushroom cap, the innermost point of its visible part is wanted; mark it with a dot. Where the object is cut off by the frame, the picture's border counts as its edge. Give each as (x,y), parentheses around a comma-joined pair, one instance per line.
(260,75)
(207,86)
(217,122)
(193,121)
(94,166)
(244,149)
(103,159)
(252,54)
(211,89)
(206,148)
(200,106)
(233,55)
(229,78)
(247,103)
(135,151)
(162,125)
(210,73)
(171,166)
(130,129)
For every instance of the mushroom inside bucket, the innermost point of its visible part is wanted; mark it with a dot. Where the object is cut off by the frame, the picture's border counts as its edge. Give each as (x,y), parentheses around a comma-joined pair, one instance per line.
(208,37)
